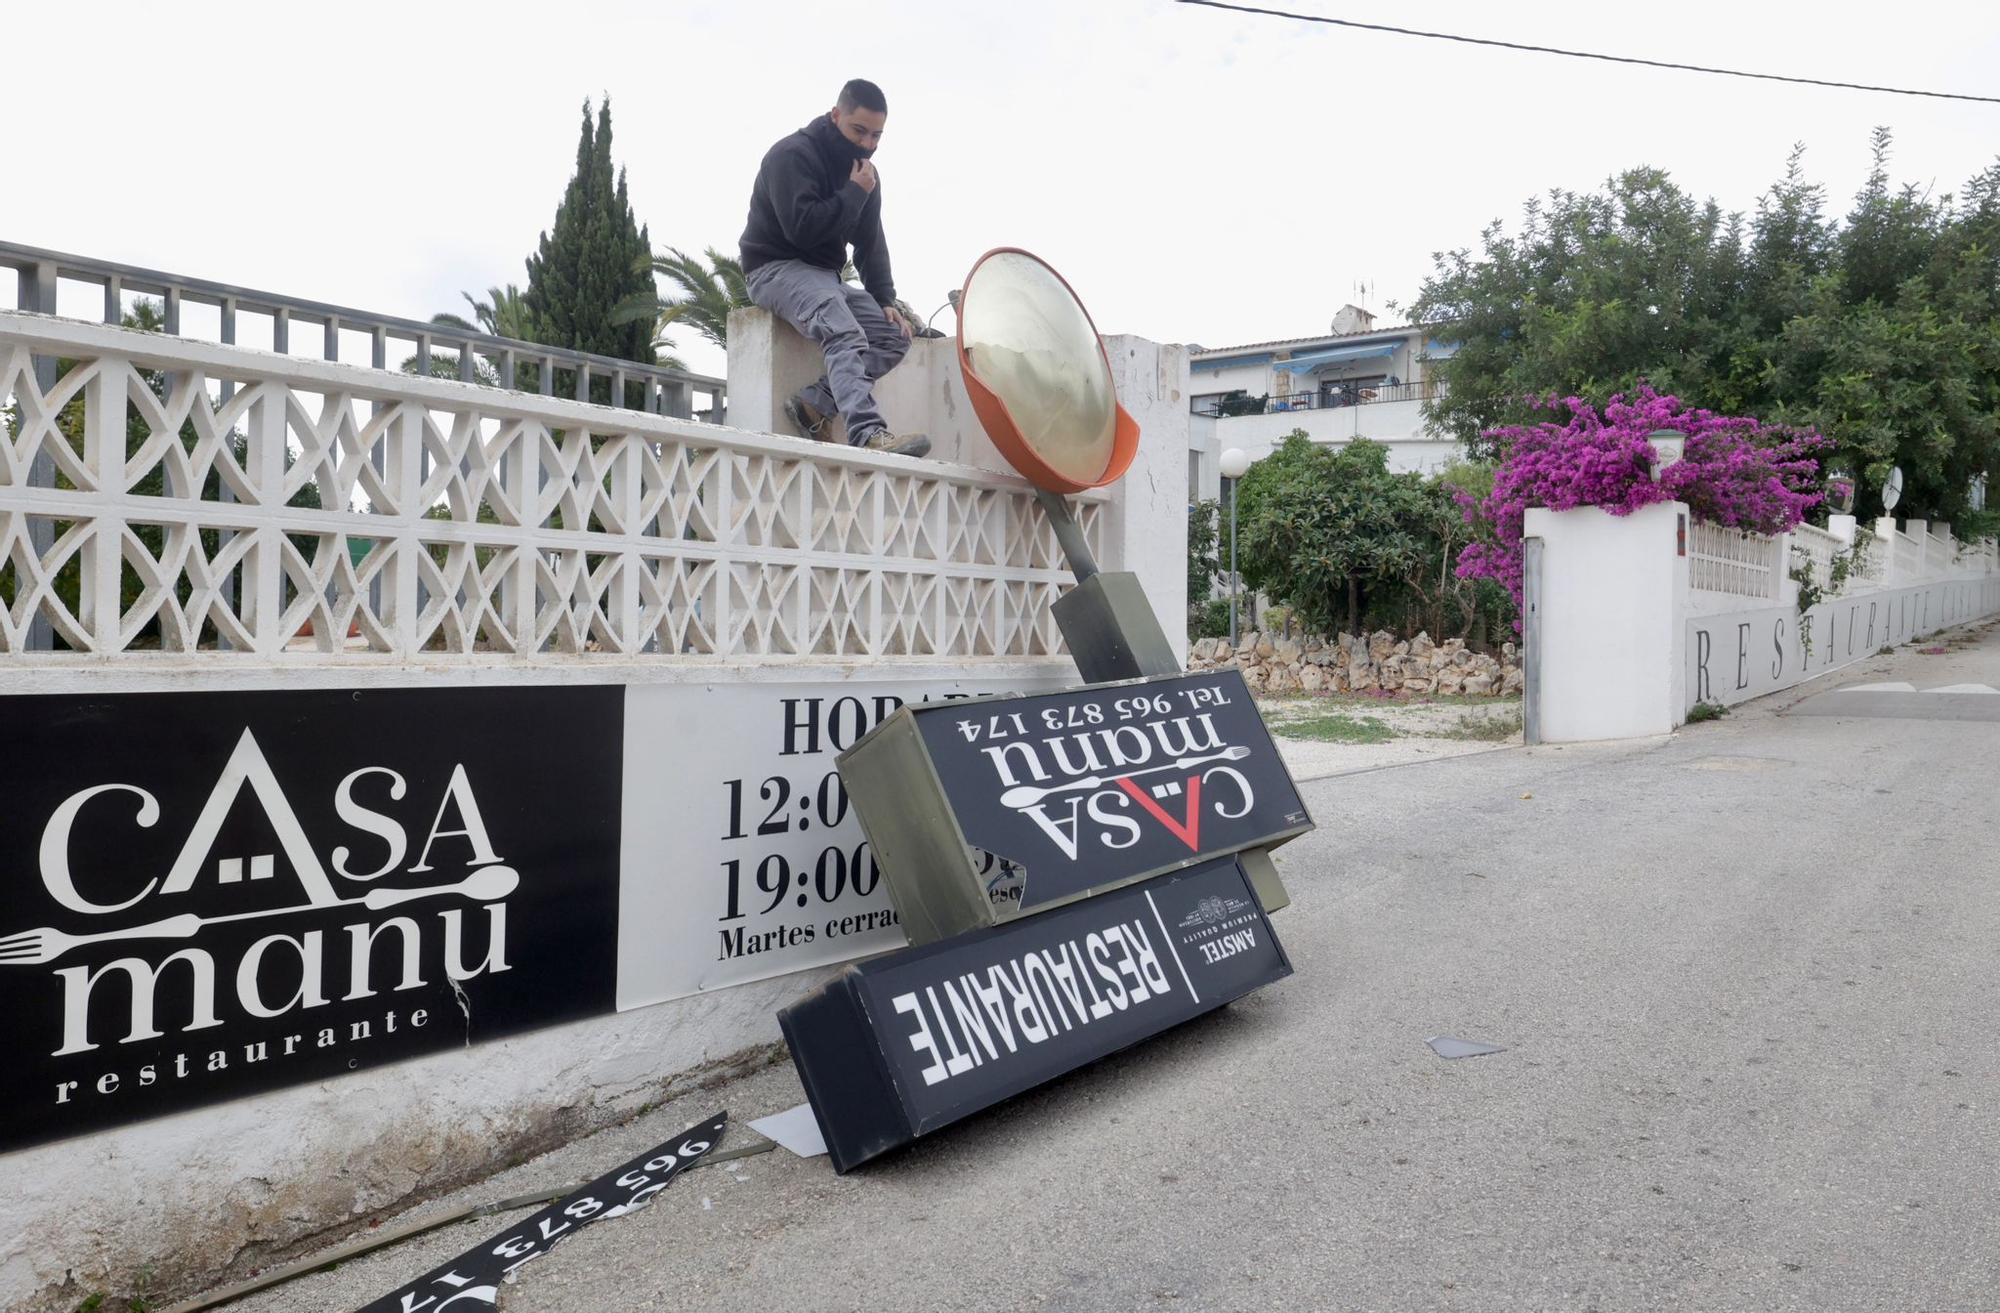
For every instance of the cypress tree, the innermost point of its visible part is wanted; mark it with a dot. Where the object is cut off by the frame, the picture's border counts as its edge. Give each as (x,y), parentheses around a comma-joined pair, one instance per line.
(591,258)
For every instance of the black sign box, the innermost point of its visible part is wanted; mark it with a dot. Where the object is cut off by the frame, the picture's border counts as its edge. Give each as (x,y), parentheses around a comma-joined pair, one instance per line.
(1083,790)
(915,1040)
(210,895)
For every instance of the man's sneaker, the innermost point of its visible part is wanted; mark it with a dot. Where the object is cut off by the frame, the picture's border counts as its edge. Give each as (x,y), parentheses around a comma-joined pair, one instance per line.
(896,444)
(808,420)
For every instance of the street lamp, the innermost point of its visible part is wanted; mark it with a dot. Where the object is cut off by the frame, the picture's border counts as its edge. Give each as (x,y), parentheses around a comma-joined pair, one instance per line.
(1669,445)
(1234,462)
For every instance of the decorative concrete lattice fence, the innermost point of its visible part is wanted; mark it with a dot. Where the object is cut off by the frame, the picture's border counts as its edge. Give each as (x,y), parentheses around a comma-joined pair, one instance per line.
(458,519)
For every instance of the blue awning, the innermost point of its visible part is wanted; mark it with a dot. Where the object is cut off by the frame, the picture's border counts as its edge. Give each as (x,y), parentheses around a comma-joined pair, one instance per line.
(1229,362)
(1338,356)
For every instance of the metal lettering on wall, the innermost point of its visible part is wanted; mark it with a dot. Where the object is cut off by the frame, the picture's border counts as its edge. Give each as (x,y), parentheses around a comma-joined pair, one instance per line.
(1740,655)
(1092,786)
(207,895)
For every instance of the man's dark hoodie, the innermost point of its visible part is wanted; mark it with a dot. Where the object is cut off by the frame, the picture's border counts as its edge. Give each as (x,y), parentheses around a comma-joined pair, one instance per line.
(803,207)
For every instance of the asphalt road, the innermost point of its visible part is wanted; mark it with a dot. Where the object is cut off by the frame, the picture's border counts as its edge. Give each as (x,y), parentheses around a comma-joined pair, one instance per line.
(1746,982)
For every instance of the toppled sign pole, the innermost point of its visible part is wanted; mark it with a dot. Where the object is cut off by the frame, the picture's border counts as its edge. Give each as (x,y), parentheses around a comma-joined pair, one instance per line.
(1141,806)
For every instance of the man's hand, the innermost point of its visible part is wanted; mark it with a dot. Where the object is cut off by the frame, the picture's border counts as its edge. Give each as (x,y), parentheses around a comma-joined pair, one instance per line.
(862,175)
(895,317)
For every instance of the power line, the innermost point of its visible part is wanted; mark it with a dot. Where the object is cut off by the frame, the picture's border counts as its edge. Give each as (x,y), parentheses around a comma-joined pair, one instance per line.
(1581,54)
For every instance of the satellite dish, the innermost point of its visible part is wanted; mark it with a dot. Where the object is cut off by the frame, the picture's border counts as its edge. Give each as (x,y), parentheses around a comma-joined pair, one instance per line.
(1840,491)
(1892,491)
(1038,377)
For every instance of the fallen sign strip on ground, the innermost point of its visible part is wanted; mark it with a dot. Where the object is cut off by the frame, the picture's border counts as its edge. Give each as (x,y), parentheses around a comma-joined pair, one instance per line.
(473,1279)
(362,1244)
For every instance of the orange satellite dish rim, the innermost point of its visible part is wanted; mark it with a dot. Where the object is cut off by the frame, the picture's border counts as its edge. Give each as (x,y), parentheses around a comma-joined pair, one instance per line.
(998,420)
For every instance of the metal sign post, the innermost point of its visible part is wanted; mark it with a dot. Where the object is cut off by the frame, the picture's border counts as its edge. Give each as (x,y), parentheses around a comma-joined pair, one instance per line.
(1531,640)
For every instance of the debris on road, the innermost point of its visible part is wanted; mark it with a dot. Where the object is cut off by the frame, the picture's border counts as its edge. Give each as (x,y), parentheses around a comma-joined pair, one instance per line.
(794,1128)
(375,1239)
(475,1276)
(1447,1047)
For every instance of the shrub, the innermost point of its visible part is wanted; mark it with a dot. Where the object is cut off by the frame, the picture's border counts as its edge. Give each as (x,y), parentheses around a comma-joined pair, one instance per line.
(1735,472)
(1209,619)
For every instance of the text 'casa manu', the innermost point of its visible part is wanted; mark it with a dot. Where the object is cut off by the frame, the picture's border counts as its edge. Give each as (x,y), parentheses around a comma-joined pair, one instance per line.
(312,888)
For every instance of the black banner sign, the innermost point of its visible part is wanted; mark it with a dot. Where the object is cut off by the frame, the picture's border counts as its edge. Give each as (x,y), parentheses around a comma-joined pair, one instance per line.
(473,1279)
(208,895)
(1094,786)
(903,1044)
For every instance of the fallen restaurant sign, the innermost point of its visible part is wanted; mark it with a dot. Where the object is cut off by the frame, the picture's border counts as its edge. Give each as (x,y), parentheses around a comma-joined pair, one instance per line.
(1082,790)
(904,1044)
(1139,814)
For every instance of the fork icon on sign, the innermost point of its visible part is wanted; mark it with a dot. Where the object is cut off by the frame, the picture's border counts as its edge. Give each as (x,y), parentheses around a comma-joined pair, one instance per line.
(46,944)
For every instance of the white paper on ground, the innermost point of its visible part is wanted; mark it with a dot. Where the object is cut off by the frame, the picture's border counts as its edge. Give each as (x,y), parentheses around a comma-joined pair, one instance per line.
(1448,1046)
(795,1128)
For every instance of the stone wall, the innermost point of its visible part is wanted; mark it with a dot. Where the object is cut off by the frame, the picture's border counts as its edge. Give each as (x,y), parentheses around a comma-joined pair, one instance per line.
(1371,663)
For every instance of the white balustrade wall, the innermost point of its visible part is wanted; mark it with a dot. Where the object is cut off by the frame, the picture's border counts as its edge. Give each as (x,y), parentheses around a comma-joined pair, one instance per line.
(1631,638)
(1816,550)
(454,519)
(1722,560)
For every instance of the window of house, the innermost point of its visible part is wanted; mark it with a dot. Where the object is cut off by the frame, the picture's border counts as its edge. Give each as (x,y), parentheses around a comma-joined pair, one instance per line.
(1350,391)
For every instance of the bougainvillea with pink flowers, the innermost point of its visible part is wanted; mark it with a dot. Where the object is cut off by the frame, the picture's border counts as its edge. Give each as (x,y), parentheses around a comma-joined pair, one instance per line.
(1735,472)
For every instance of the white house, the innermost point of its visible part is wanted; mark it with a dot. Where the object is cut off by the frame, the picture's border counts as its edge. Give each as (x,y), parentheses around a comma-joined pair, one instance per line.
(1358,381)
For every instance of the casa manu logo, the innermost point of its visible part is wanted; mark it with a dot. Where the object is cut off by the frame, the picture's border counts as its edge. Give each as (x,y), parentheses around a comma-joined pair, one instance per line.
(178,968)
(1101,786)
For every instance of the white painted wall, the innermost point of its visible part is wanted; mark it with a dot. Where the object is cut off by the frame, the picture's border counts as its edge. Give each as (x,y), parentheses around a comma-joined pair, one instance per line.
(1253,379)
(1145,526)
(1205,457)
(1612,596)
(924,394)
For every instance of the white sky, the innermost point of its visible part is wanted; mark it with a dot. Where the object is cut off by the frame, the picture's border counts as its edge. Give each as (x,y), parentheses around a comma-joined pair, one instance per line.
(1197,175)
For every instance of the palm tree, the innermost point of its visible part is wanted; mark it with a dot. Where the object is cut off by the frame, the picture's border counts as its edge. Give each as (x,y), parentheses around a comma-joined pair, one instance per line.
(504,313)
(706,294)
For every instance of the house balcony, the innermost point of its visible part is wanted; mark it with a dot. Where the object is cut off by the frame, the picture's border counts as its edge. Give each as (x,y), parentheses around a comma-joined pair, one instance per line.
(1389,414)
(1234,407)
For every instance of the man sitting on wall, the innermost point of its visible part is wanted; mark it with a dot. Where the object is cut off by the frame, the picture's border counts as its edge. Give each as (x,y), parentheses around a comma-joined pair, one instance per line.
(816,195)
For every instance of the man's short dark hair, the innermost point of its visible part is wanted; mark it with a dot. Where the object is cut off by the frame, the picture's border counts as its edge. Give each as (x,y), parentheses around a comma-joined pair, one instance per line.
(863,94)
